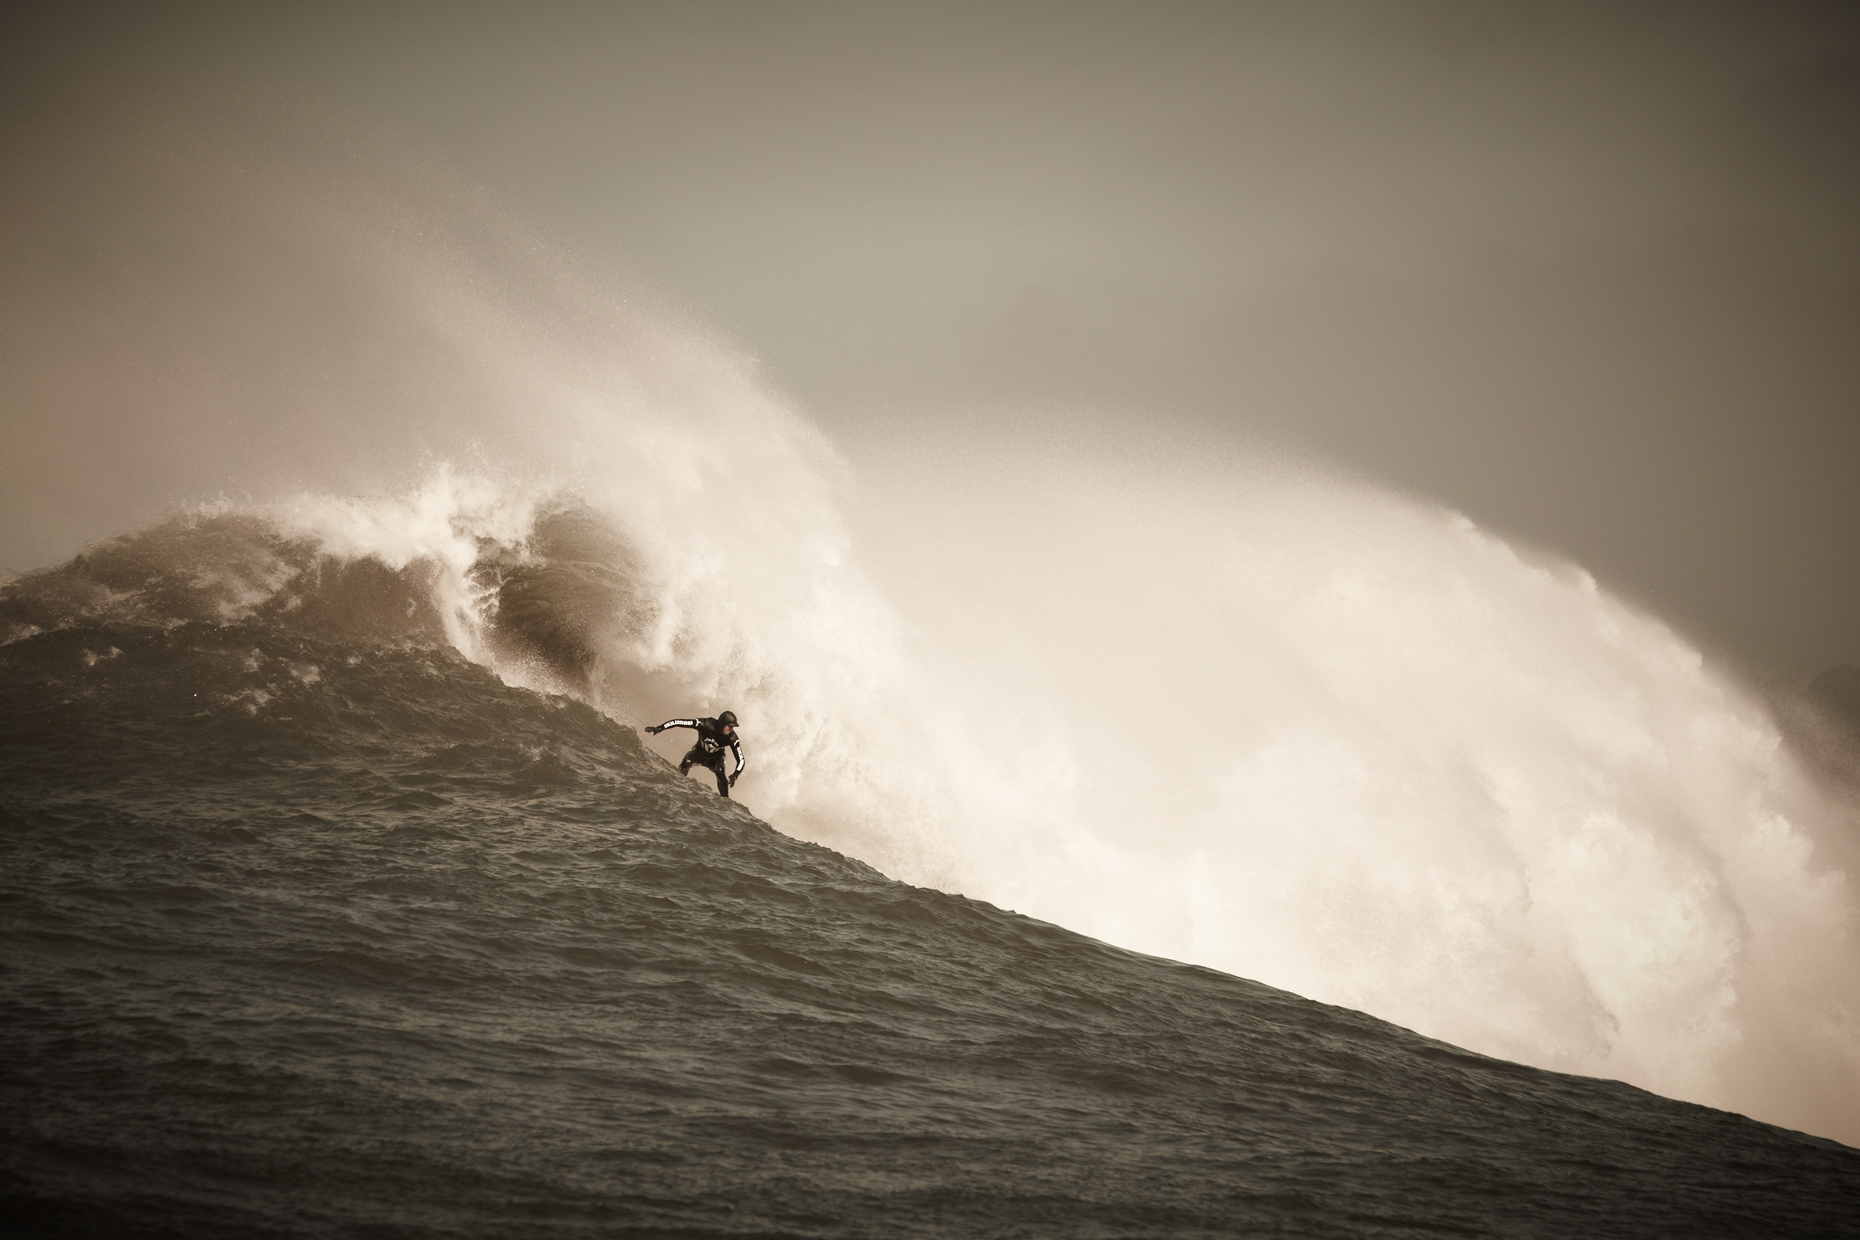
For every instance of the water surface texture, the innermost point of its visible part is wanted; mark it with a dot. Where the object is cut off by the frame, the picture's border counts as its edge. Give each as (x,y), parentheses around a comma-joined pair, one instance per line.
(317,928)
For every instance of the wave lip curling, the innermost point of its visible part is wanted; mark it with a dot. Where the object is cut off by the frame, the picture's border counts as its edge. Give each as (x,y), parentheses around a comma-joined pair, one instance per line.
(1302,732)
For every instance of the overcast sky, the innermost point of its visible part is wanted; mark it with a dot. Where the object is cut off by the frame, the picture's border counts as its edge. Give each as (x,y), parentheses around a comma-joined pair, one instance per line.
(1590,273)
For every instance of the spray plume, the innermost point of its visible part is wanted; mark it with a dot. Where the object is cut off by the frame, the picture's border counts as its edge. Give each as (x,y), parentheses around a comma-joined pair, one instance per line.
(1212,707)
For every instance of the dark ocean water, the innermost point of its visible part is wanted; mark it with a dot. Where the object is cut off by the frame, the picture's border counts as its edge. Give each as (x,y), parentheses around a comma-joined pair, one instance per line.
(315,928)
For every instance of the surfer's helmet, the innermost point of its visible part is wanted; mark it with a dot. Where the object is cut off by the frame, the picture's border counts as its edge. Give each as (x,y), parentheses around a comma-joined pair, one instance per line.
(727,718)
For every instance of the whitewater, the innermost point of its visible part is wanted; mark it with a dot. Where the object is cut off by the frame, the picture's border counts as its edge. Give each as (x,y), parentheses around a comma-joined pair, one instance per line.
(341,893)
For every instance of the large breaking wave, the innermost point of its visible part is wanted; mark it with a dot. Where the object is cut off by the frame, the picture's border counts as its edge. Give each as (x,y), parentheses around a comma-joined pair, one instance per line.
(1197,703)
(1307,734)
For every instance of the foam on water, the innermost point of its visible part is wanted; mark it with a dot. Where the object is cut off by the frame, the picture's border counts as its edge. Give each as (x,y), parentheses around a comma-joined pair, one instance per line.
(1306,734)
(316,929)
(1360,748)
(1197,704)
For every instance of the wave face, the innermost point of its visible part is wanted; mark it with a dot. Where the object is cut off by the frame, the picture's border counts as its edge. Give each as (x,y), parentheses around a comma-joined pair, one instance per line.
(318,927)
(1201,705)
(1283,727)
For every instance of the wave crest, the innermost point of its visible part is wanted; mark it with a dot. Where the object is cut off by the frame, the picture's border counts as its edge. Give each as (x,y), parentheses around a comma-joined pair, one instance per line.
(219,568)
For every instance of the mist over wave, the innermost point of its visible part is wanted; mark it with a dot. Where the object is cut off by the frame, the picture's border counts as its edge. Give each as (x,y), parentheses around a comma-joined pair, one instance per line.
(1209,706)
(317,928)
(1317,737)
(1359,748)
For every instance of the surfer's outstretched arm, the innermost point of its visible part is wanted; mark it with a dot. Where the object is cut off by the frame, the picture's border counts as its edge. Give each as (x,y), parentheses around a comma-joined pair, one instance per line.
(736,747)
(671,723)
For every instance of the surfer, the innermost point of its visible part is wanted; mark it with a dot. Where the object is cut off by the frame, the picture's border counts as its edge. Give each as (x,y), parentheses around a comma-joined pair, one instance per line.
(713,736)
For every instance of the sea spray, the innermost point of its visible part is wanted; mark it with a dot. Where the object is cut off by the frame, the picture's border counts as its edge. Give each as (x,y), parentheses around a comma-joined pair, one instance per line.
(1355,746)
(1294,729)
(1234,712)
(314,927)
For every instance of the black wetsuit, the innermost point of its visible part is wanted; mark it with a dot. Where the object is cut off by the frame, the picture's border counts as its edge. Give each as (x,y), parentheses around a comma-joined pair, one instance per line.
(711,742)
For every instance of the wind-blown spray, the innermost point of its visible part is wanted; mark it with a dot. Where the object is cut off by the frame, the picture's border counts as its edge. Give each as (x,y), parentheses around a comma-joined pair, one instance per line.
(1355,746)
(1258,718)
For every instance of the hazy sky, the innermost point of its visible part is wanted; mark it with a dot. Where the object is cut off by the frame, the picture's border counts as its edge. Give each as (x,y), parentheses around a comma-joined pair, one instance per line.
(1590,273)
